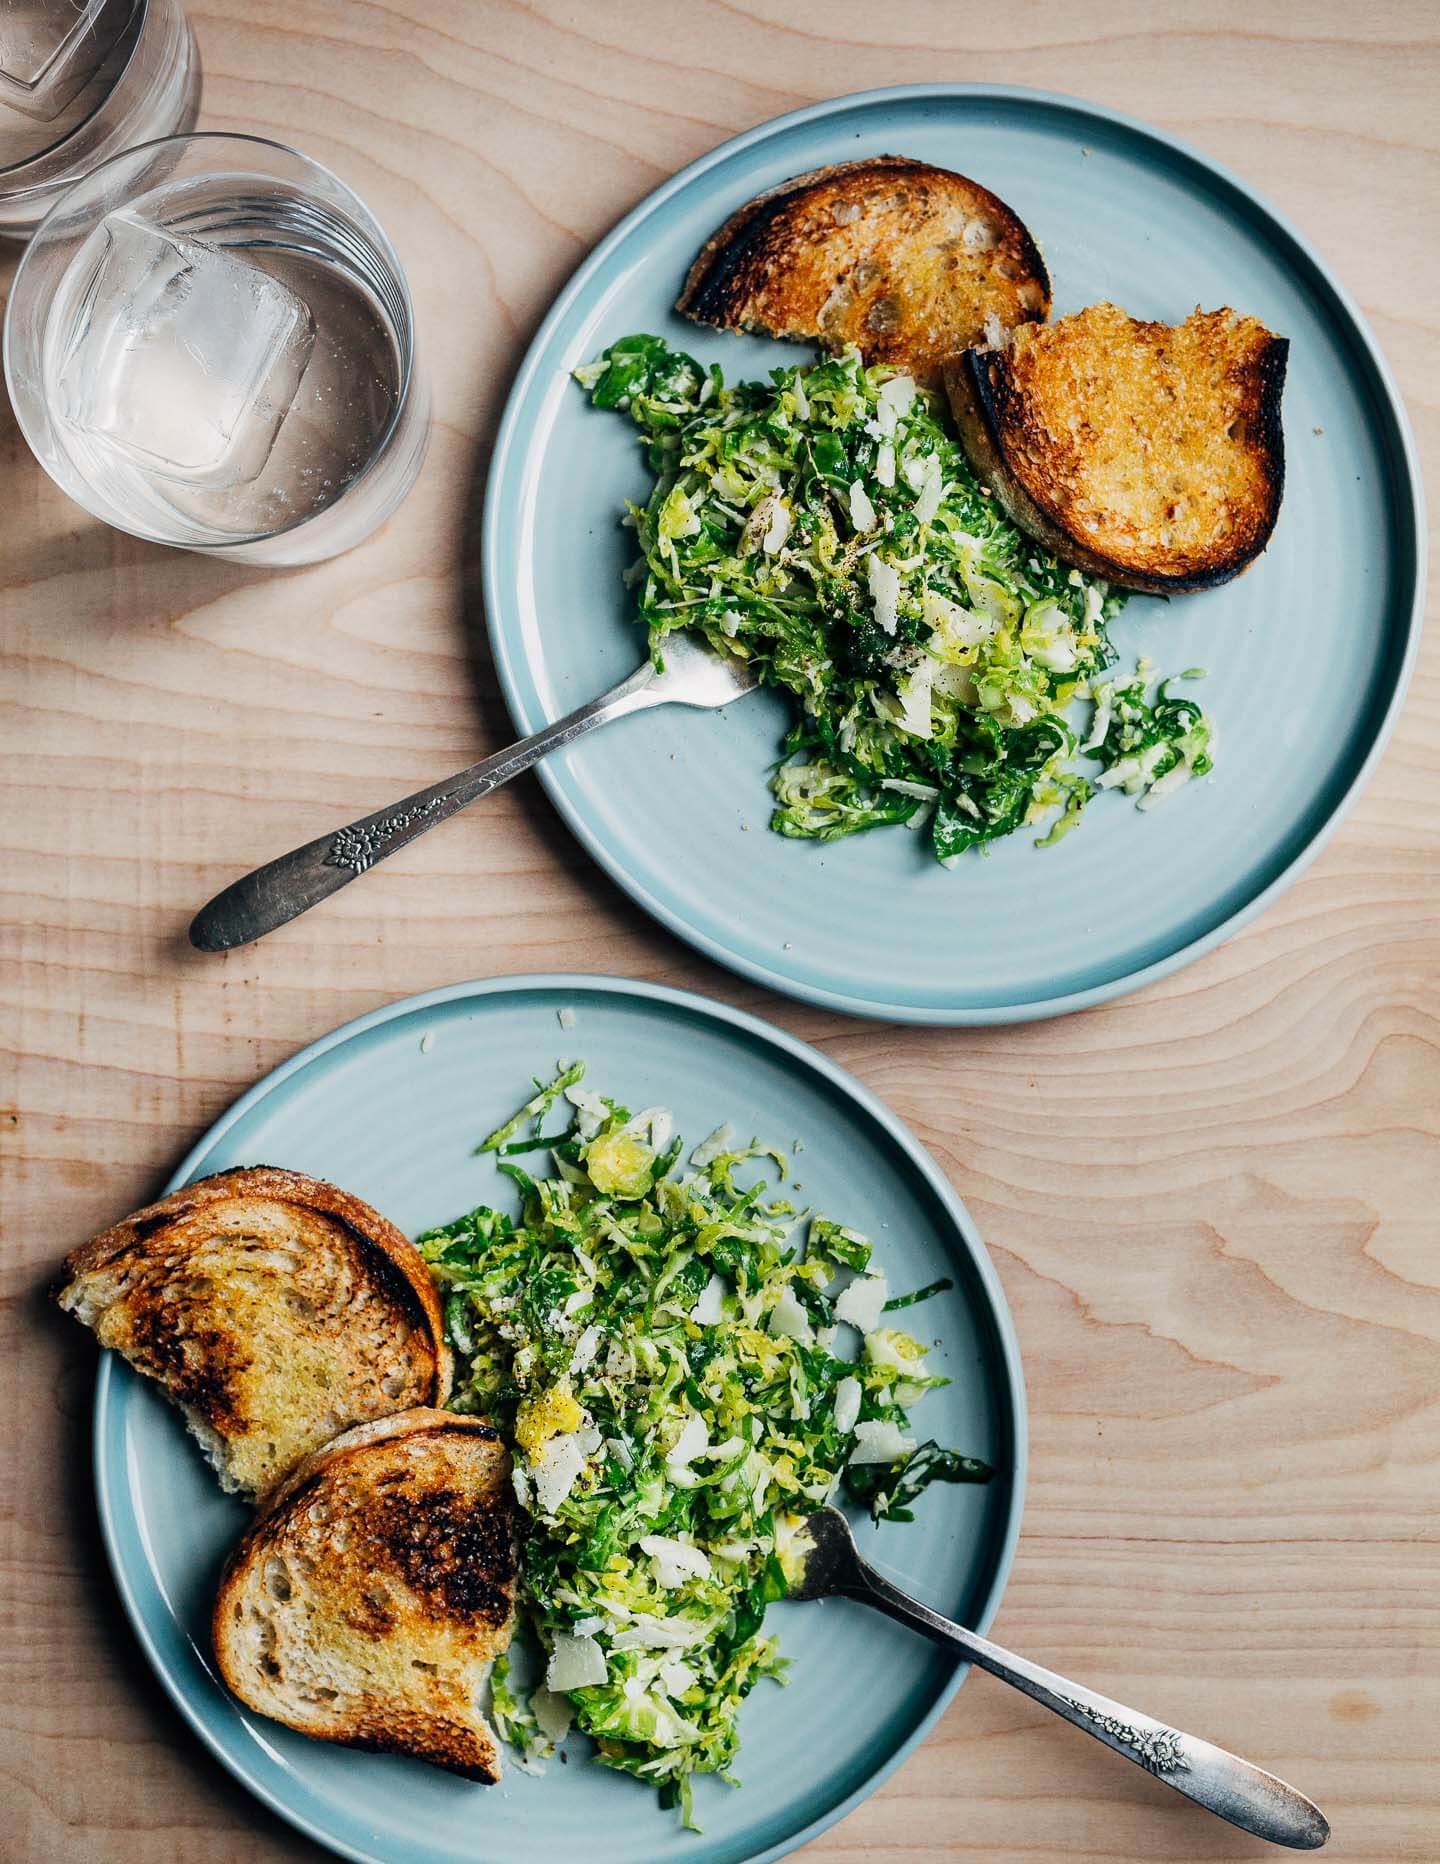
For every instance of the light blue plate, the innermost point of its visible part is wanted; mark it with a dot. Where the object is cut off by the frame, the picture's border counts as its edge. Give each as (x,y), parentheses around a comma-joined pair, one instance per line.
(397,1123)
(1308,653)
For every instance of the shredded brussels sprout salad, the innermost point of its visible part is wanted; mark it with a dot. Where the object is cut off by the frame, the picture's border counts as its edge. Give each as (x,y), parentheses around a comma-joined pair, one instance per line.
(666,1350)
(825,524)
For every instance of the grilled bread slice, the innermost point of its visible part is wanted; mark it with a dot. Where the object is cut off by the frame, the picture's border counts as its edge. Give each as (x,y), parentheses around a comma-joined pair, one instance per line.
(910,264)
(368,1599)
(274,1309)
(1150,454)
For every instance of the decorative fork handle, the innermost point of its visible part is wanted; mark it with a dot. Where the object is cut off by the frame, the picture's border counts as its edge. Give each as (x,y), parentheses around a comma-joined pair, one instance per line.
(284,888)
(1221,1782)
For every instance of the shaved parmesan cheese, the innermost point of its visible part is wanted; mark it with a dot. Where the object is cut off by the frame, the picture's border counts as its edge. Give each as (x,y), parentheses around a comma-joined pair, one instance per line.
(767,527)
(648,1633)
(915,698)
(693,1441)
(863,1302)
(847,1404)
(575,1663)
(884,581)
(885,464)
(557,1471)
(862,512)
(709,1310)
(788,1319)
(675,1560)
(896,395)
(932,490)
(675,1678)
(553,1713)
(586,1348)
(880,1441)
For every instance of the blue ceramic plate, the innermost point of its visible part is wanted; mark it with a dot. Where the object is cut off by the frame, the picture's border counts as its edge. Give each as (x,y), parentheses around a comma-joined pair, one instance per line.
(1308,653)
(391,1107)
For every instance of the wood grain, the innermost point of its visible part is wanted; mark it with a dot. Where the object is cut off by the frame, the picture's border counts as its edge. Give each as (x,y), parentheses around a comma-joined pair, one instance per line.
(1223,1256)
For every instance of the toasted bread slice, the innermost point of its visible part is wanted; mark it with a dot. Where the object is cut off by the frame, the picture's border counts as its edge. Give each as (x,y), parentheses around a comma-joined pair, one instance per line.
(275,1310)
(910,264)
(368,1599)
(1150,454)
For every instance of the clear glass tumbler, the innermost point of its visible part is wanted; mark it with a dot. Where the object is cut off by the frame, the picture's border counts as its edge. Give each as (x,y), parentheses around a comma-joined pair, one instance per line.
(79,81)
(210,343)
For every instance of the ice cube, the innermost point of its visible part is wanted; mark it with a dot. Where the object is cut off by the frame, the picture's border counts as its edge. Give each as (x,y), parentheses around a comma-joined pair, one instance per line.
(185,358)
(49,49)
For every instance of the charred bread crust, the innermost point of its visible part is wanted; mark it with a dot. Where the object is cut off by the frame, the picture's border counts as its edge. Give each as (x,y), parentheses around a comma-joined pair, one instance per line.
(752,251)
(418,1737)
(465,1565)
(982,402)
(396,1257)
(418,1421)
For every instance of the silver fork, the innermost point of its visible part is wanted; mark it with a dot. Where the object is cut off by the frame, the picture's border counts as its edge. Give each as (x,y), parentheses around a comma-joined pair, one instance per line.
(694,675)
(1223,1783)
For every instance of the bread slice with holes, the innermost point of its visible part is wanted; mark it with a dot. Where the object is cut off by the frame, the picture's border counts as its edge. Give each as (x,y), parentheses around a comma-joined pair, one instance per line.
(909,263)
(1150,454)
(275,1310)
(374,1590)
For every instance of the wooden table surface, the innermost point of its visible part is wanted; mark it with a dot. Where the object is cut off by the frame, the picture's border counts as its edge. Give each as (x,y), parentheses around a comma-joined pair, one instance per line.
(1213,1207)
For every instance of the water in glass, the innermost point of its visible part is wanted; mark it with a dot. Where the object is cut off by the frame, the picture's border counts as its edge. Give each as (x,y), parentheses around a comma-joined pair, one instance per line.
(222,358)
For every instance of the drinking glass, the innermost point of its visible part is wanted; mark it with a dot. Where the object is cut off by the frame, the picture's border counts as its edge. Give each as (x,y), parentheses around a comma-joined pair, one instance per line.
(79,81)
(210,343)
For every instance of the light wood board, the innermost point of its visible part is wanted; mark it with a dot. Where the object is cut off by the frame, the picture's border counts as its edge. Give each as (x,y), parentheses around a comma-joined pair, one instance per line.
(1215,1208)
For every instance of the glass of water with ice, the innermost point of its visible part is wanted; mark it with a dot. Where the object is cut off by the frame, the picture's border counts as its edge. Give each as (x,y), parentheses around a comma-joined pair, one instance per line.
(79,81)
(210,343)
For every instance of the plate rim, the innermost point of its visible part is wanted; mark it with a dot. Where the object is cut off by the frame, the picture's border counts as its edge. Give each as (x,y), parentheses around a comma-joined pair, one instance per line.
(110,1481)
(1410,514)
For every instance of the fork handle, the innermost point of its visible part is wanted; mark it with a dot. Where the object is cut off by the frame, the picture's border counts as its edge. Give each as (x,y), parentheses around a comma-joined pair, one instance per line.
(292,883)
(1221,1782)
